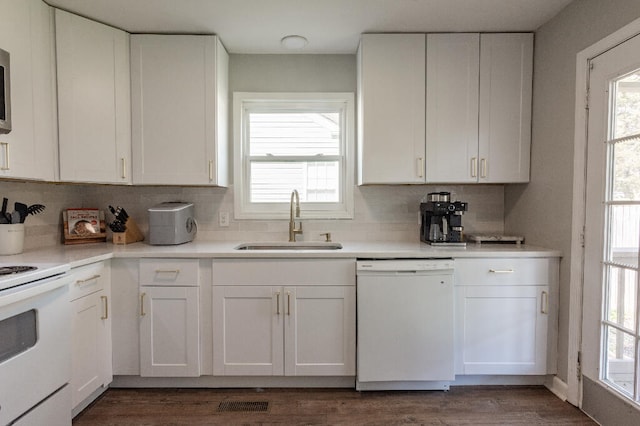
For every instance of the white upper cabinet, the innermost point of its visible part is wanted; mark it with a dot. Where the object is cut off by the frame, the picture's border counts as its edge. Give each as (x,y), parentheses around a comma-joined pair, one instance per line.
(452,106)
(391,108)
(30,150)
(179,110)
(476,102)
(94,101)
(506,73)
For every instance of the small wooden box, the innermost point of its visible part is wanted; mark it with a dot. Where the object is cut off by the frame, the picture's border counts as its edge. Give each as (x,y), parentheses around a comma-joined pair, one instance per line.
(131,235)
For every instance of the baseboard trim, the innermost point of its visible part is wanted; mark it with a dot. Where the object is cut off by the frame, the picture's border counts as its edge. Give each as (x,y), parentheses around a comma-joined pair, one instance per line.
(557,387)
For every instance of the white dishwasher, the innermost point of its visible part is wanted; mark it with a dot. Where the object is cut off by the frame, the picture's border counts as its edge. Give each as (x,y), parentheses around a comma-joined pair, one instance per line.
(405,324)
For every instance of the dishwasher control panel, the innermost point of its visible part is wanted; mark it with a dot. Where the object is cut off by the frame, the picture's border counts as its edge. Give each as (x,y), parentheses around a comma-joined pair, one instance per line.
(400,265)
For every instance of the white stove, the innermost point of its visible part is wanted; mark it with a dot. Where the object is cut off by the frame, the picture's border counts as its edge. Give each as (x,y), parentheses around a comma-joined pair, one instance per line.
(35,348)
(41,270)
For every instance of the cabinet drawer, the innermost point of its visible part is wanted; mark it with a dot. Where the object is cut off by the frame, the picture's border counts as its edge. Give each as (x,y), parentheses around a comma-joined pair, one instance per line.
(169,272)
(87,279)
(502,271)
(284,272)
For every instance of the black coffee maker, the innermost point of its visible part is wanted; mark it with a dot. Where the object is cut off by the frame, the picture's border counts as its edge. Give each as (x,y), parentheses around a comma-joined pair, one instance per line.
(442,220)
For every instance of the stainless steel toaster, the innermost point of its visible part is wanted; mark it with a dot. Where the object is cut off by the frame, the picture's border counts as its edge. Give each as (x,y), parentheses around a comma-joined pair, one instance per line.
(172,223)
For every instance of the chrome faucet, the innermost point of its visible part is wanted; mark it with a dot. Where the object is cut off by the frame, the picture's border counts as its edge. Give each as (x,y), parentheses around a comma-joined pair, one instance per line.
(292,224)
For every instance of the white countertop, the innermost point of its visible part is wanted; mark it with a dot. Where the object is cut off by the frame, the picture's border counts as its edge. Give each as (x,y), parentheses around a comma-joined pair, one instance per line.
(78,255)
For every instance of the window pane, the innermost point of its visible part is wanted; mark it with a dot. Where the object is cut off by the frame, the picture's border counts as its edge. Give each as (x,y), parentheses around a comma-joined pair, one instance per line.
(627,106)
(626,169)
(299,134)
(620,358)
(621,297)
(624,234)
(273,182)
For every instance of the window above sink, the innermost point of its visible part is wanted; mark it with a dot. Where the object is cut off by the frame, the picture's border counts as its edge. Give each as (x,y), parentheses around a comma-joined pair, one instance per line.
(293,141)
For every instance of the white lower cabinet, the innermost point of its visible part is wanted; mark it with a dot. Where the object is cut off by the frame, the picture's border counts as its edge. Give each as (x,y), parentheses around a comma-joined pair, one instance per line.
(503,310)
(91,331)
(169,318)
(264,329)
(169,332)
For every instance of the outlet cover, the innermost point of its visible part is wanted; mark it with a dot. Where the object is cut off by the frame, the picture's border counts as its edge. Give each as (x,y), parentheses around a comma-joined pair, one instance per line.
(223,219)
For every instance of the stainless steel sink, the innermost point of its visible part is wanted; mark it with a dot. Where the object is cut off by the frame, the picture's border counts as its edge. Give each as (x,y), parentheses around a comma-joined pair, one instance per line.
(289,246)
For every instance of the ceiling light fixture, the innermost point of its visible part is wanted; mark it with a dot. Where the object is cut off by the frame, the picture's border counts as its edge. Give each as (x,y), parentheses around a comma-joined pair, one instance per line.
(294,42)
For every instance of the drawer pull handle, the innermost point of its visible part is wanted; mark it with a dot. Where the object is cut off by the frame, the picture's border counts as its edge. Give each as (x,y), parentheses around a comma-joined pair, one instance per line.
(124,168)
(168,271)
(288,303)
(420,167)
(544,303)
(6,156)
(474,167)
(483,168)
(501,271)
(210,170)
(142,304)
(106,307)
(95,277)
(277,303)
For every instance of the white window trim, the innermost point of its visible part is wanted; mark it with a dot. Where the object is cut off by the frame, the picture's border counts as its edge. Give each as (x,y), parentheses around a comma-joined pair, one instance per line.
(308,210)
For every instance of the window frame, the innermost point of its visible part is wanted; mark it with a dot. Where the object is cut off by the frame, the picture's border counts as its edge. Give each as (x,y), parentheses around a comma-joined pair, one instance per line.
(245,102)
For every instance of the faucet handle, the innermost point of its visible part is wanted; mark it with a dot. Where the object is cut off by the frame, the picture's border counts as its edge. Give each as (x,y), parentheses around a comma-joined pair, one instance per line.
(327,237)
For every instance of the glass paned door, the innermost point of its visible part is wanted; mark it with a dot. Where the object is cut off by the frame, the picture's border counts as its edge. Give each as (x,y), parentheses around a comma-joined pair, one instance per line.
(622,237)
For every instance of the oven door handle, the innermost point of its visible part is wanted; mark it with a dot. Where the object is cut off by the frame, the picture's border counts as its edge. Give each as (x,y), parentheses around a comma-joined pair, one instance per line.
(27,291)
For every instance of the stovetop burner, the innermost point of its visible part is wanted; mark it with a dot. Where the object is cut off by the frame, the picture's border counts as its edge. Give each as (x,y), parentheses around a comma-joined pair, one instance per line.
(8,270)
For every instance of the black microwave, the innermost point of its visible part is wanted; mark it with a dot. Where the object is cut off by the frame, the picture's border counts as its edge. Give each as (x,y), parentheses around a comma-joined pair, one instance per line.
(5,93)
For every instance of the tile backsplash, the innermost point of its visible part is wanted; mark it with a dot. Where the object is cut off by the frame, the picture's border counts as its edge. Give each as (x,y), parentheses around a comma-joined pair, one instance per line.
(382,213)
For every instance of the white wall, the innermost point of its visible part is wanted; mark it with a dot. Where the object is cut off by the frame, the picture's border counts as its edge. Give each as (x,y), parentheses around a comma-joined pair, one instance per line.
(541,210)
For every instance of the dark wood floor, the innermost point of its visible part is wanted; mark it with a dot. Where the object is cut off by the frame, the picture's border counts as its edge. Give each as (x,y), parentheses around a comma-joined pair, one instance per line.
(487,405)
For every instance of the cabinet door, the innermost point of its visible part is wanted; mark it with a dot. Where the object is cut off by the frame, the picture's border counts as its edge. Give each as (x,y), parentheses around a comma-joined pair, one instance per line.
(169,332)
(29,151)
(126,316)
(90,345)
(503,329)
(248,331)
(452,108)
(93,101)
(178,117)
(319,324)
(391,108)
(506,67)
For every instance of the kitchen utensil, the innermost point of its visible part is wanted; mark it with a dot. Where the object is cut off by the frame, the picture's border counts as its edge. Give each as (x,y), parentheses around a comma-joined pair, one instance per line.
(117,226)
(123,215)
(112,210)
(34,209)
(4,218)
(15,217)
(22,210)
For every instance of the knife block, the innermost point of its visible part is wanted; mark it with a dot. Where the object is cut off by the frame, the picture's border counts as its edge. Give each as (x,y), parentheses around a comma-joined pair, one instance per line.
(131,235)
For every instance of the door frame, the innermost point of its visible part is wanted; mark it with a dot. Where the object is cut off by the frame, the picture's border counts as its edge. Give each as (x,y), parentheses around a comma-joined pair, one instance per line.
(576,282)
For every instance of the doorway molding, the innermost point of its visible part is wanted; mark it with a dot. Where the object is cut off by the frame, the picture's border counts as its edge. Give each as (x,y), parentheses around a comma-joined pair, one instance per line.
(576,282)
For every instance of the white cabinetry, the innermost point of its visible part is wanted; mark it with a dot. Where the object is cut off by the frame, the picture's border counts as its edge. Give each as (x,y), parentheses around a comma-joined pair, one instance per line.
(293,317)
(391,108)
(453,67)
(506,75)
(505,311)
(479,107)
(91,332)
(476,103)
(30,150)
(179,110)
(94,101)
(169,311)
(125,307)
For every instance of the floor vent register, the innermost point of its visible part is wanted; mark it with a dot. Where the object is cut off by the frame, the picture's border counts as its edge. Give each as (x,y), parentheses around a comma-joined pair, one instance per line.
(243,406)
